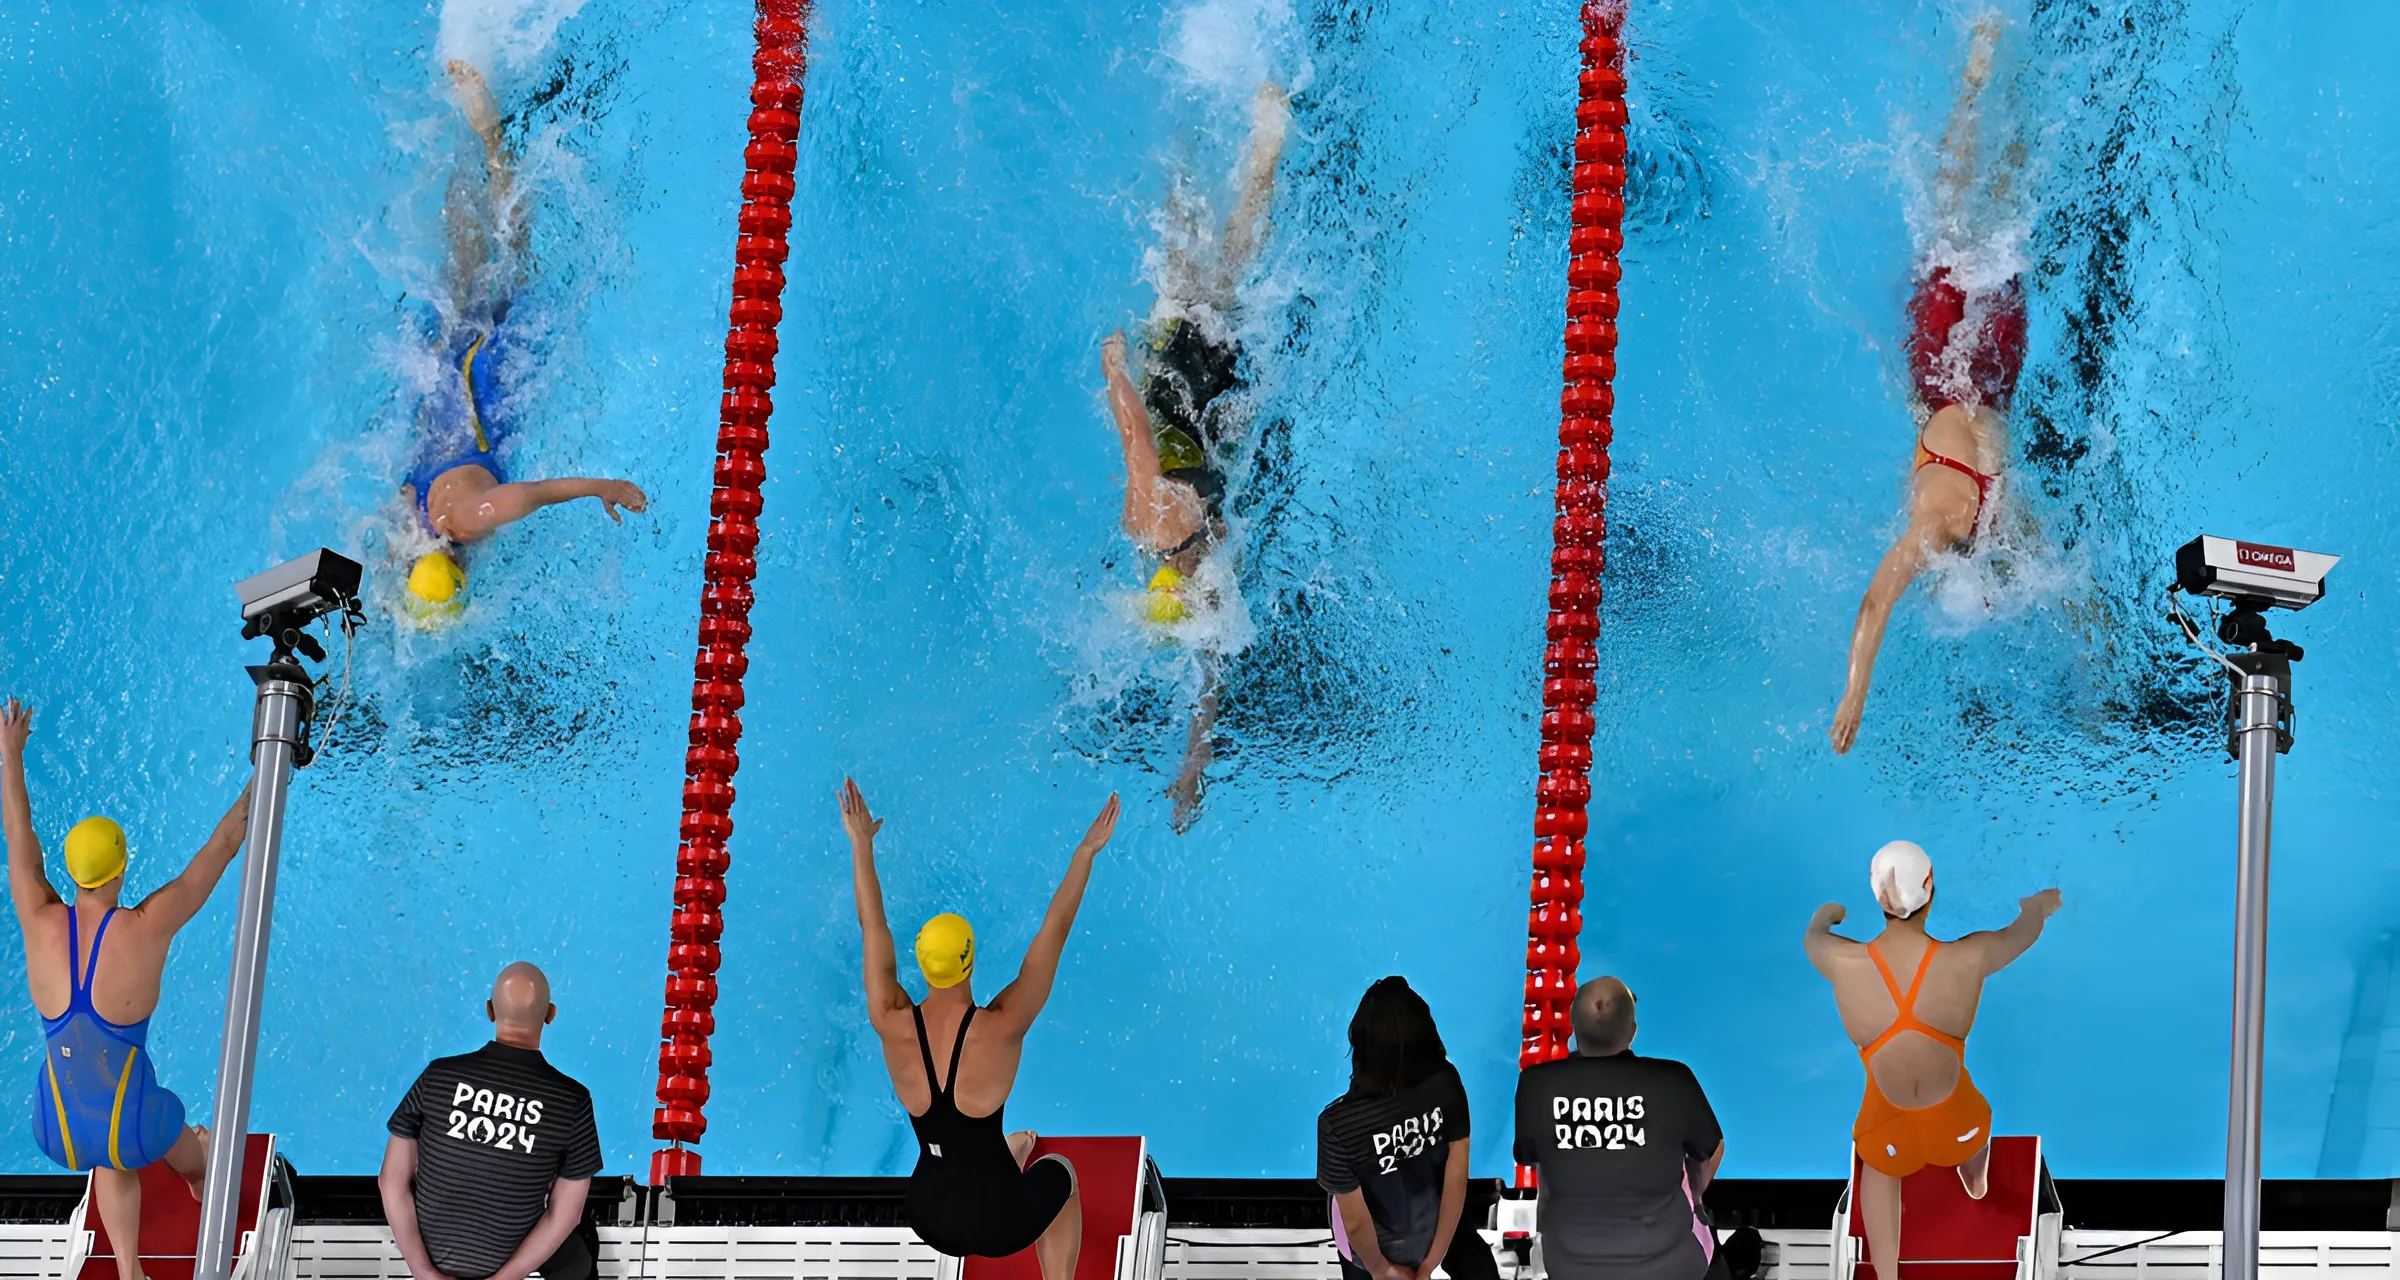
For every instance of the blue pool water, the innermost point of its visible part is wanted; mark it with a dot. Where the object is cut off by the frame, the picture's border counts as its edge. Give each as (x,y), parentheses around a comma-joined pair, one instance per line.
(218,223)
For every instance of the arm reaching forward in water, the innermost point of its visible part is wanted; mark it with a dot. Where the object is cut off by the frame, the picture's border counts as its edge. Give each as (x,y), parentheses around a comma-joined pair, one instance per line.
(473,515)
(885,998)
(1270,119)
(1021,1001)
(1899,567)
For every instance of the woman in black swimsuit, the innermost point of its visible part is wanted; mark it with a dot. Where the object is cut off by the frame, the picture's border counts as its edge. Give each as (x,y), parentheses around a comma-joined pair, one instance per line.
(1179,424)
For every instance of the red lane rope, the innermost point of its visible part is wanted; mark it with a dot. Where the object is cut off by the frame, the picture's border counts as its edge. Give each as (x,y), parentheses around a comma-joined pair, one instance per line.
(1578,541)
(716,726)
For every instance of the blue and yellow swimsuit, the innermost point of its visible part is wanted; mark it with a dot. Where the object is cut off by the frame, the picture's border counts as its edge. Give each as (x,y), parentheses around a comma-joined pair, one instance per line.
(466,419)
(96,1102)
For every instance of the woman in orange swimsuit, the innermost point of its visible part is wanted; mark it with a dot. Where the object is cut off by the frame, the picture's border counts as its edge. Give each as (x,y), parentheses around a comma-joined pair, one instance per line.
(1965,345)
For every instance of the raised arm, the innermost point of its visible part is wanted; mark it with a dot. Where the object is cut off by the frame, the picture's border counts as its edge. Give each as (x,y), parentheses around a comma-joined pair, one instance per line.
(28,886)
(479,514)
(1821,942)
(1270,118)
(1997,948)
(178,900)
(882,967)
(1021,1001)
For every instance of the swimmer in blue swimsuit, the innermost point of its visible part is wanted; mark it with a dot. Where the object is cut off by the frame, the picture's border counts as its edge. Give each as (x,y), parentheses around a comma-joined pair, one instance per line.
(455,481)
(94,969)
(1179,425)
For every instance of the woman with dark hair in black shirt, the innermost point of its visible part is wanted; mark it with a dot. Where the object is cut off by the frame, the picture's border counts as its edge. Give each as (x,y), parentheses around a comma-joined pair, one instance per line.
(1392,1152)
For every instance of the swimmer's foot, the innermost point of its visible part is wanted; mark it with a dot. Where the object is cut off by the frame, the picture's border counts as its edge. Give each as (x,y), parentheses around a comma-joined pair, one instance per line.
(1979,50)
(198,1179)
(1976,1175)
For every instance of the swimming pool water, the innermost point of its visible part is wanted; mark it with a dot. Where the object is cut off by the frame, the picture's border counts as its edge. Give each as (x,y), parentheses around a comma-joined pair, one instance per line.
(217,220)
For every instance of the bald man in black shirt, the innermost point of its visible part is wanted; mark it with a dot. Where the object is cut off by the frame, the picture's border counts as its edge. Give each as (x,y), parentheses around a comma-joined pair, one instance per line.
(1625,1145)
(492,1154)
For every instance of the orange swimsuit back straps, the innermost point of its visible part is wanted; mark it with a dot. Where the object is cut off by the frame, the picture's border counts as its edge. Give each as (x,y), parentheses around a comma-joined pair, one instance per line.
(1907,1019)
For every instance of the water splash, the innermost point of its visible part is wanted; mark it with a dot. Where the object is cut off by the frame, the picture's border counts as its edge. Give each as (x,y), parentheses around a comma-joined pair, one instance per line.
(502,36)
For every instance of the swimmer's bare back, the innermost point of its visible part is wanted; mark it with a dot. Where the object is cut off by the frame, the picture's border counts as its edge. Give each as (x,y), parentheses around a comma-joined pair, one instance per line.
(467,503)
(125,986)
(1915,1070)
(987,1066)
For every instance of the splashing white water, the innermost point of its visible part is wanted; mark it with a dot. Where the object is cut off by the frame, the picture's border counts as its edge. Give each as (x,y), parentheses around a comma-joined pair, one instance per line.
(1225,47)
(500,36)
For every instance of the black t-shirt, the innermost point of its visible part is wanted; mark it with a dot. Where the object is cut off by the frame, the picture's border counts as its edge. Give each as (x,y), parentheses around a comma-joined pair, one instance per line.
(494,1128)
(1614,1138)
(1394,1149)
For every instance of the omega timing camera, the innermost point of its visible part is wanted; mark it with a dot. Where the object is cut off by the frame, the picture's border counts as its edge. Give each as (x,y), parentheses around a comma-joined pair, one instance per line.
(286,598)
(2253,575)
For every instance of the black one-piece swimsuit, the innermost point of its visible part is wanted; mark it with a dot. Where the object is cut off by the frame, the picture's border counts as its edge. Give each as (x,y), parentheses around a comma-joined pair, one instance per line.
(967,1195)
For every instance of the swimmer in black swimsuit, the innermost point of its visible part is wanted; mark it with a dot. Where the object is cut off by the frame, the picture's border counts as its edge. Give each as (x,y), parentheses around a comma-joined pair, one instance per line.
(455,481)
(1179,426)
(974,1192)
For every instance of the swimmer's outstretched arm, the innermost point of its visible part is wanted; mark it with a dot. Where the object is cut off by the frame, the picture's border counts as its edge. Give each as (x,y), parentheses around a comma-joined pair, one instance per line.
(1998,948)
(1021,1001)
(884,993)
(1159,513)
(478,514)
(1199,749)
(1245,227)
(173,904)
(28,885)
(1899,567)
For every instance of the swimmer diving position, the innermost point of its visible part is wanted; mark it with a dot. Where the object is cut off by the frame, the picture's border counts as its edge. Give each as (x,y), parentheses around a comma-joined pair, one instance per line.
(973,1192)
(1181,421)
(456,484)
(1921,1107)
(1965,345)
(96,1103)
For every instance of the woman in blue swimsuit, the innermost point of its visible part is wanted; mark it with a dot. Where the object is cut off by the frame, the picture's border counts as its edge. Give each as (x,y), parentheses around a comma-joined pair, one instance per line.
(456,483)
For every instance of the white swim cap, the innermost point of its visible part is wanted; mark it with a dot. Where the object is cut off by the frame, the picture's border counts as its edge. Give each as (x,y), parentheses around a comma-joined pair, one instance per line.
(1902,877)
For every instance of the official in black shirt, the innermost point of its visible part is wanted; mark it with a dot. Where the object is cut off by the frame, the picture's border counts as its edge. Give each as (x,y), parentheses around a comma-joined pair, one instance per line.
(1624,1145)
(492,1152)
(1392,1151)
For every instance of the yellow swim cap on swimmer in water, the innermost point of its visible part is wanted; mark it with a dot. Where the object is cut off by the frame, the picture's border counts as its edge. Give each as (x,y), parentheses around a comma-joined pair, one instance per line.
(946,949)
(95,852)
(436,578)
(1165,603)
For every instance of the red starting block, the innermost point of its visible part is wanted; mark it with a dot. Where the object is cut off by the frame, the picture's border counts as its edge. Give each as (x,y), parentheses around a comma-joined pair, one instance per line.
(1124,1214)
(2010,1234)
(171,1222)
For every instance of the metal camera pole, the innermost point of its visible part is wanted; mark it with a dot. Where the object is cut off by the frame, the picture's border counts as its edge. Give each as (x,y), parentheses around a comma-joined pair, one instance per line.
(278,730)
(2259,703)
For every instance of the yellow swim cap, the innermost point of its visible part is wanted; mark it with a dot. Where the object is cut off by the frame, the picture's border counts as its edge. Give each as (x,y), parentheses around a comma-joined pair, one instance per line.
(946,950)
(95,852)
(1163,604)
(436,578)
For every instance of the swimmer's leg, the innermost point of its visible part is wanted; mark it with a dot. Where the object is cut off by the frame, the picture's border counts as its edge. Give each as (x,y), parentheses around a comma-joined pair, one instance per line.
(1058,1246)
(189,1158)
(1960,143)
(1270,118)
(118,1193)
(1879,1209)
(1976,1174)
(1199,749)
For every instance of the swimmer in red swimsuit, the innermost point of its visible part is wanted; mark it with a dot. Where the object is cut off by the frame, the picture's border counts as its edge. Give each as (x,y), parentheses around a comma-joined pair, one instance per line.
(1964,349)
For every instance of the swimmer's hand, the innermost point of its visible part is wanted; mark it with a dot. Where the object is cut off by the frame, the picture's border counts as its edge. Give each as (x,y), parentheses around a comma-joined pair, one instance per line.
(861,824)
(620,493)
(1829,915)
(1104,826)
(1845,722)
(16,723)
(2043,905)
